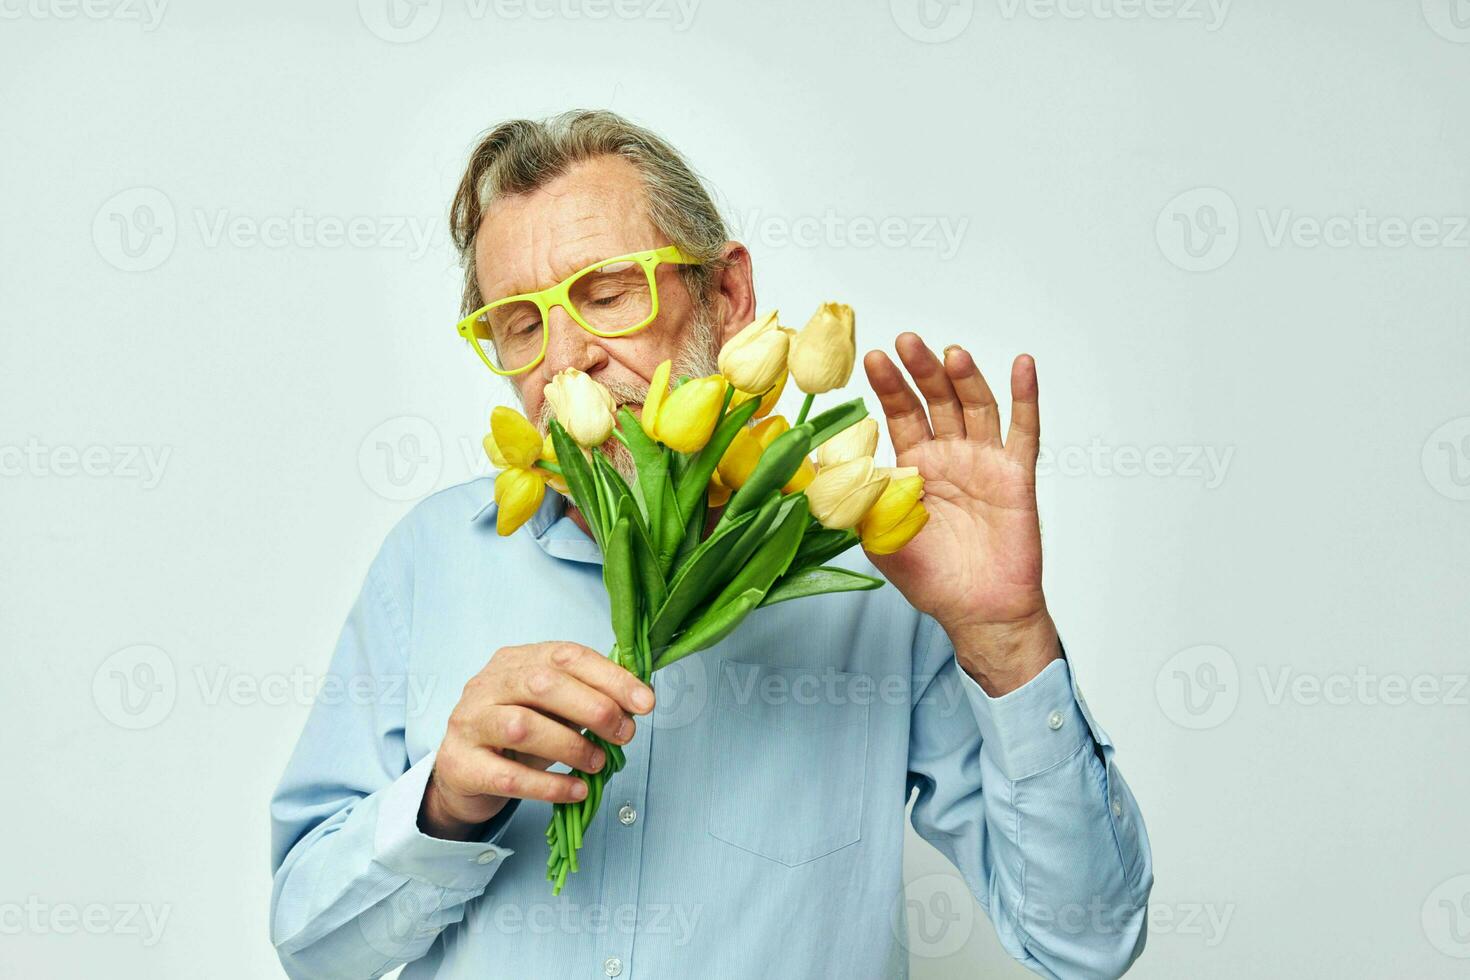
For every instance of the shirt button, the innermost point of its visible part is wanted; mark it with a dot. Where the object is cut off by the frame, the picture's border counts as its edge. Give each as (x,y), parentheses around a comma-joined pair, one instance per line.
(612,966)
(485,857)
(626,816)
(1117,809)
(1054,720)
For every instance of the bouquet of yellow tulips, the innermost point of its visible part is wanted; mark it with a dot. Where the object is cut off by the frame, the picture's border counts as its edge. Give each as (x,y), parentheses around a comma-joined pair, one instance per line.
(676,585)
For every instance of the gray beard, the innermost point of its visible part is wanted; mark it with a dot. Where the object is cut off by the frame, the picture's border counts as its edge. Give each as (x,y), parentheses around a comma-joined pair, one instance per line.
(697,356)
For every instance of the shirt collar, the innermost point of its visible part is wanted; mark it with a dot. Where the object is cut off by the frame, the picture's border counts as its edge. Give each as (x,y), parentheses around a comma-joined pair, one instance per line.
(556,533)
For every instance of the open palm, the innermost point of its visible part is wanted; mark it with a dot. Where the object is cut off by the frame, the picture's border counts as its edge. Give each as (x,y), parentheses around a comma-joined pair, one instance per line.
(977,563)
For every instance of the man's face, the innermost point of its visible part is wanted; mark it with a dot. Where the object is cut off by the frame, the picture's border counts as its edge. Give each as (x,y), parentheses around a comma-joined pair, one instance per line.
(594,211)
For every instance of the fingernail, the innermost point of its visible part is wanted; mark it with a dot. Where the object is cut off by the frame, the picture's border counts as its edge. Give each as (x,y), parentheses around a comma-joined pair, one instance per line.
(625,730)
(642,699)
(599,759)
(950,348)
(579,791)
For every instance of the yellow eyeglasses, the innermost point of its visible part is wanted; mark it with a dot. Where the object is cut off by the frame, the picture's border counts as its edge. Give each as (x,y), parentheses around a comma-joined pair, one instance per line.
(611,298)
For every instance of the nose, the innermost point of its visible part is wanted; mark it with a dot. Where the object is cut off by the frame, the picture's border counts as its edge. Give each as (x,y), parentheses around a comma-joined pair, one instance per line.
(569,346)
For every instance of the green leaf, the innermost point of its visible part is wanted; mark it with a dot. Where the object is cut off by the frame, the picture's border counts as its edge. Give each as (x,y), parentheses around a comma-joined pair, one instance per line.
(694,481)
(818,581)
(700,574)
(645,559)
(648,460)
(821,544)
(617,575)
(580,481)
(835,419)
(671,526)
(777,465)
(711,628)
(771,559)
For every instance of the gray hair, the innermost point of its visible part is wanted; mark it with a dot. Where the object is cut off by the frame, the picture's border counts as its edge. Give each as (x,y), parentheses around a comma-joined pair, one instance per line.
(521,155)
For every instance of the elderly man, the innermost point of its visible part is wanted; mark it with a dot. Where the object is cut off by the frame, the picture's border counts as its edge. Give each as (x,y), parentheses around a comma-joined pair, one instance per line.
(757,829)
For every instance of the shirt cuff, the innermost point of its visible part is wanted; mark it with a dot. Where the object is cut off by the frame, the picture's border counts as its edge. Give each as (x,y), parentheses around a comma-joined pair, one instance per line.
(1034,727)
(401,847)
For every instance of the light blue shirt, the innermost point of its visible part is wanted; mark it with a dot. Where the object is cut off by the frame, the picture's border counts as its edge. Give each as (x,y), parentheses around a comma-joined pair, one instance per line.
(758,829)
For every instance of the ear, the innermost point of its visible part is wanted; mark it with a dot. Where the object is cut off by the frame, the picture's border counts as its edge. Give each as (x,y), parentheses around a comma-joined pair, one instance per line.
(735,291)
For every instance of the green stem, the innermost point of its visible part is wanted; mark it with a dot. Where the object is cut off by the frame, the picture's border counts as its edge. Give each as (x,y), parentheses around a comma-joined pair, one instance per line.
(549,467)
(806,406)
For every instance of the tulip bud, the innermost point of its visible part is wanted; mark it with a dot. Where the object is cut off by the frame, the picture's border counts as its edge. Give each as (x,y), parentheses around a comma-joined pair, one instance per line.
(840,495)
(583,407)
(518,493)
(768,400)
(822,354)
(685,418)
(755,358)
(897,515)
(858,439)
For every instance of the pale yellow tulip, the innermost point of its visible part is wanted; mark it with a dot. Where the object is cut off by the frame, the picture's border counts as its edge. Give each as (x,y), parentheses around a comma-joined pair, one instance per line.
(823,353)
(755,358)
(583,406)
(840,495)
(858,439)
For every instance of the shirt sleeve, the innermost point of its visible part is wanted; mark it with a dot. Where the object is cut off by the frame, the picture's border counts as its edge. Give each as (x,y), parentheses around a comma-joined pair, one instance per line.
(1022,795)
(358,888)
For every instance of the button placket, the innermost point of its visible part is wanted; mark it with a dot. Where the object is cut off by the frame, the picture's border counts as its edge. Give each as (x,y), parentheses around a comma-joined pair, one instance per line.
(623,848)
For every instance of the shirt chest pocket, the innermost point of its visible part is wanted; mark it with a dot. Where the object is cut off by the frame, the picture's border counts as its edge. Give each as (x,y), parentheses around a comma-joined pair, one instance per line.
(789,765)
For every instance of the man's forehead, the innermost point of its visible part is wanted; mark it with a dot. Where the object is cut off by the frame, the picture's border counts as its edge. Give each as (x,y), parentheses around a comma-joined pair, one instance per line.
(530,241)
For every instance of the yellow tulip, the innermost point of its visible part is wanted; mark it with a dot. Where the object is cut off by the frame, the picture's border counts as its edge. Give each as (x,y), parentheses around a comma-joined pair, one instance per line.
(583,406)
(719,494)
(513,440)
(768,400)
(822,354)
(518,492)
(840,495)
(755,358)
(683,419)
(858,439)
(897,515)
(745,451)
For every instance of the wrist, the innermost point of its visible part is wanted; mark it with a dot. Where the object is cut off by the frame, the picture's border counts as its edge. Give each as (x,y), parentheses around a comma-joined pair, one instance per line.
(438,817)
(1002,657)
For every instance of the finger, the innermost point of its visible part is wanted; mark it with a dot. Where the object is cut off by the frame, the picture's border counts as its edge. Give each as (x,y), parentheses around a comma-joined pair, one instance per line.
(597,671)
(1023,440)
(907,424)
(527,732)
(982,415)
(945,417)
(494,775)
(559,693)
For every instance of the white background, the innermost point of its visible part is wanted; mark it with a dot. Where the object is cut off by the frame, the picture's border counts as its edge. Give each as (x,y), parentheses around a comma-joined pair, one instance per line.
(295,394)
